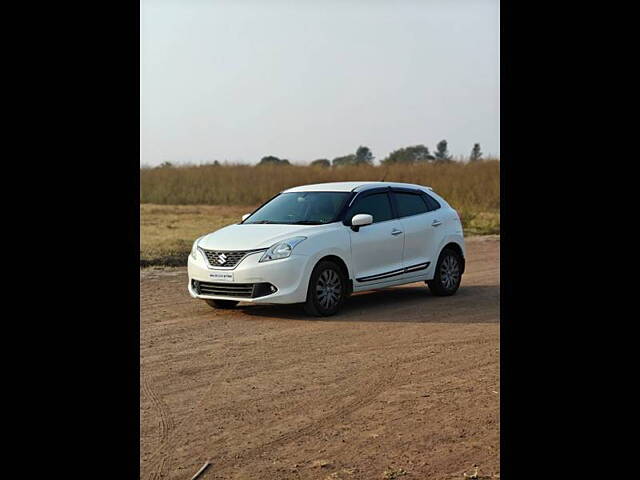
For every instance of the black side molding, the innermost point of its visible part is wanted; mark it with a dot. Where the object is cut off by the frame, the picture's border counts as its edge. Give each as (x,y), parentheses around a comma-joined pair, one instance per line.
(393,273)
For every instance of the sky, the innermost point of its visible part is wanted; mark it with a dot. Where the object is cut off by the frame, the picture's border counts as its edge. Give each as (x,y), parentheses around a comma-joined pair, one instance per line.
(238,80)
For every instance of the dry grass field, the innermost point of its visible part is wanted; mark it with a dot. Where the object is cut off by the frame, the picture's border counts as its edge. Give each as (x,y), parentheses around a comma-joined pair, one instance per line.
(179,204)
(168,231)
(470,186)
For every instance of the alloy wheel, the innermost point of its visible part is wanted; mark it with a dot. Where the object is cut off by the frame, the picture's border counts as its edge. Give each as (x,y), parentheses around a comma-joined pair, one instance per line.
(328,289)
(450,272)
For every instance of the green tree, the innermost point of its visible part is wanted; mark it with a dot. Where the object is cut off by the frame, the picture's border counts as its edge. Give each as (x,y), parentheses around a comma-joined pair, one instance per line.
(321,162)
(442,154)
(346,160)
(363,156)
(476,154)
(271,160)
(409,155)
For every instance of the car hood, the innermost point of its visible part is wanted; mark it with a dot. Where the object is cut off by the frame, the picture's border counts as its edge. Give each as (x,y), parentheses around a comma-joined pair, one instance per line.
(253,236)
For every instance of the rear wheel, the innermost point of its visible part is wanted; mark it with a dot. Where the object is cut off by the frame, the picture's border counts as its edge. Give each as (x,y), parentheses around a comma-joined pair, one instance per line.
(327,289)
(448,274)
(222,303)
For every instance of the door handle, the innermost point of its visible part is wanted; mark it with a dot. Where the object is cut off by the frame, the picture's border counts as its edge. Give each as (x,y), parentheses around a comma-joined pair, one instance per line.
(395,232)
(436,223)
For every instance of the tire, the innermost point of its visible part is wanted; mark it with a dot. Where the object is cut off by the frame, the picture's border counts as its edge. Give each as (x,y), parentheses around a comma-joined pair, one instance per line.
(448,274)
(327,289)
(222,303)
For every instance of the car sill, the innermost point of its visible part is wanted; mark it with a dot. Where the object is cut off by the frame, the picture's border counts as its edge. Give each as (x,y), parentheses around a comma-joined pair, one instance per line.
(393,273)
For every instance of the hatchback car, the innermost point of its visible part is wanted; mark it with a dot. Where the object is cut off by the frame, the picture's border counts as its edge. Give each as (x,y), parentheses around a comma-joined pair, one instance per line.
(317,244)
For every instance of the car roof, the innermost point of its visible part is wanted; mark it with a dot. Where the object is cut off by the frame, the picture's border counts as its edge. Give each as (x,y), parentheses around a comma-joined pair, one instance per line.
(351,186)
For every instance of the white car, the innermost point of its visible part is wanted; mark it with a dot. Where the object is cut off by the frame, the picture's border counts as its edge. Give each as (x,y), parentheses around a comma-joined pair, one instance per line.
(316,244)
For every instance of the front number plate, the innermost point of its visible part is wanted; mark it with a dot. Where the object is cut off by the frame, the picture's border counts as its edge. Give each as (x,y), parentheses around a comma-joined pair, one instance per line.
(222,276)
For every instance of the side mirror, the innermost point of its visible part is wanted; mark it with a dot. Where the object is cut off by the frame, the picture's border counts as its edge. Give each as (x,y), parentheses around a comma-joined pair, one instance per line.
(245,216)
(361,220)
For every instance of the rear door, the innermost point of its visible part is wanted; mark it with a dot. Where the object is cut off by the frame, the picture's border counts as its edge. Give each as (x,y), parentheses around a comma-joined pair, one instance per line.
(376,249)
(421,230)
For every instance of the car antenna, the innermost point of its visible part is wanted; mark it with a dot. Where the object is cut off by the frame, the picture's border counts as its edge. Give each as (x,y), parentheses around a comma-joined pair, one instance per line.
(385,174)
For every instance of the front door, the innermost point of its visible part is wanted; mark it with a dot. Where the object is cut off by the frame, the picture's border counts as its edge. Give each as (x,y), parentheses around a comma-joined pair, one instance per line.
(376,249)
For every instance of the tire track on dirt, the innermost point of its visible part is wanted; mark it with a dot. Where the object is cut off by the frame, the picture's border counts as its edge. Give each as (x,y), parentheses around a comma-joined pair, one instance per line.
(162,458)
(166,424)
(364,395)
(165,418)
(245,405)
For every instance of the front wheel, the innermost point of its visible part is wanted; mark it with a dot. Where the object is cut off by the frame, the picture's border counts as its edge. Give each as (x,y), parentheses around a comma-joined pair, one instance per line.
(222,303)
(448,274)
(327,289)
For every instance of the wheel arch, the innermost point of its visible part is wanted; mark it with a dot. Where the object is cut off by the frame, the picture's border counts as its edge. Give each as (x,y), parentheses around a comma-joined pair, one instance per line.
(456,247)
(343,266)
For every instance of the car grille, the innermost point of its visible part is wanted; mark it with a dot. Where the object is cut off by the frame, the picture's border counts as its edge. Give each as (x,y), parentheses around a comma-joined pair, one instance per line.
(244,290)
(222,258)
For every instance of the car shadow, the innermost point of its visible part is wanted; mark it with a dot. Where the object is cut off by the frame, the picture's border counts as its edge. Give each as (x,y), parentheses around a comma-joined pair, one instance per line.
(414,304)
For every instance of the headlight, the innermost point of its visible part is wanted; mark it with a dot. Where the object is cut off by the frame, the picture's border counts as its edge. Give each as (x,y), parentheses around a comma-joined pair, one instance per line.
(281,249)
(194,249)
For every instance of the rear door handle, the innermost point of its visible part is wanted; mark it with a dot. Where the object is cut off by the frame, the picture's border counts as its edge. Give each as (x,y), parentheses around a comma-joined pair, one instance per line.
(436,223)
(395,232)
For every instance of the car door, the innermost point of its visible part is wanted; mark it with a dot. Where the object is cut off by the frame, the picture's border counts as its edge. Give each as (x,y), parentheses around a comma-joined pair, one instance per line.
(421,230)
(376,249)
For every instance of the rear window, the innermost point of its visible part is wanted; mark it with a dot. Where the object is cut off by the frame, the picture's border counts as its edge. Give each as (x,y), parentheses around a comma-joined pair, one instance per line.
(432,203)
(410,204)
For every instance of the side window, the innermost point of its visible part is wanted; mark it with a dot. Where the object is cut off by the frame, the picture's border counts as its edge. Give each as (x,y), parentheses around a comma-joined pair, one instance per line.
(432,203)
(409,204)
(376,205)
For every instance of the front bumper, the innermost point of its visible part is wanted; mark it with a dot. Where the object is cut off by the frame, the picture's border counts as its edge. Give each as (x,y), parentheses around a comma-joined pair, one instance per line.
(289,275)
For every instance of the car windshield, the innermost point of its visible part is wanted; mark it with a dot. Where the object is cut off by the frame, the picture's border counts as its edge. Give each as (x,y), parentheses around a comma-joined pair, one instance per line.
(301,208)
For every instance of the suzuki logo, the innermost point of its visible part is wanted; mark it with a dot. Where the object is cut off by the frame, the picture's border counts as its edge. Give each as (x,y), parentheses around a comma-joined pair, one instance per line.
(222,258)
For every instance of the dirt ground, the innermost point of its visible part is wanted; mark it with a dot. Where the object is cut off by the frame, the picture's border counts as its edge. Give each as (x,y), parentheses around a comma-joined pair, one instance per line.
(400,384)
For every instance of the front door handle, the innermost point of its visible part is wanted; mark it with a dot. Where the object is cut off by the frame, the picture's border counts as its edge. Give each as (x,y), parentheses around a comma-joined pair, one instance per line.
(395,232)
(436,223)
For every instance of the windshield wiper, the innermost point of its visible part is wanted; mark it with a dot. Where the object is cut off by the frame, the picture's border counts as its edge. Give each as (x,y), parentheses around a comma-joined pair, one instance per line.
(300,222)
